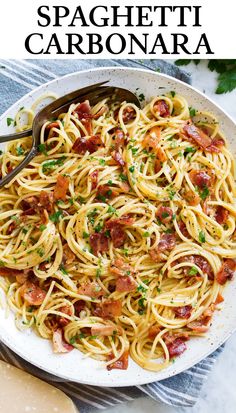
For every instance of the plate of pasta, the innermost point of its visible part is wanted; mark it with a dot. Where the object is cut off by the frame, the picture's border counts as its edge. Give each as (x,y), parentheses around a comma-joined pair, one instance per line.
(118,241)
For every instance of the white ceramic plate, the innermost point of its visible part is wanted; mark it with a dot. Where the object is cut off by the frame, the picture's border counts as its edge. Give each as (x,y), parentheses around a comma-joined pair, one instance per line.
(73,366)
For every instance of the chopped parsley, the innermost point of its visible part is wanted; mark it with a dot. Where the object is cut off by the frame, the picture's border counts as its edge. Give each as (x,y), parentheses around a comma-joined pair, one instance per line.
(42,227)
(133,149)
(171,193)
(146,234)
(123,177)
(201,237)
(40,252)
(25,230)
(102,162)
(10,121)
(20,151)
(193,271)
(91,215)
(190,149)
(111,210)
(2,264)
(85,235)
(56,216)
(204,193)
(141,97)
(141,289)
(42,149)
(131,169)
(192,111)
(141,302)
(99,227)
(173,93)
(49,165)
(63,270)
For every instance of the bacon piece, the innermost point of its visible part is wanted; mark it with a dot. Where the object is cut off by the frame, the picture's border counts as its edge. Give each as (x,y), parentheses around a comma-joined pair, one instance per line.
(119,138)
(192,198)
(46,201)
(118,158)
(221,215)
(119,268)
(198,326)
(92,290)
(111,308)
(176,348)
(83,110)
(104,330)
(100,112)
(183,228)
(200,178)
(118,235)
(105,191)
(11,228)
(99,242)
(167,242)
(94,179)
(170,337)
(121,363)
(164,214)
(197,135)
(153,331)
(61,188)
(92,144)
(79,306)
(226,271)
(30,202)
(126,284)
(52,125)
(22,276)
(216,145)
(183,312)
(123,220)
(157,166)
(152,137)
(162,108)
(128,114)
(201,262)
(68,256)
(219,299)
(160,154)
(9,272)
(32,293)
(59,344)
(124,187)
(63,321)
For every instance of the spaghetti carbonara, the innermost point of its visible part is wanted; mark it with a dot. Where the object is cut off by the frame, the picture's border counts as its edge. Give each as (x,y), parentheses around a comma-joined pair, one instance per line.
(119,236)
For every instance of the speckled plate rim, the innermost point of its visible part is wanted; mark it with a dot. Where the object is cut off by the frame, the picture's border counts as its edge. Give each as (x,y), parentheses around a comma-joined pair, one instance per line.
(73,366)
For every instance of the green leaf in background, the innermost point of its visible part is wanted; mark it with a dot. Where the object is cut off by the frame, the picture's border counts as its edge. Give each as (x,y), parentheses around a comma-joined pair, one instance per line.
(226,69)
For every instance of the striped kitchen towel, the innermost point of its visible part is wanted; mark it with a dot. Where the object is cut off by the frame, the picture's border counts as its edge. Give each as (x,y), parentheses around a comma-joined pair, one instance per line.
(18,77)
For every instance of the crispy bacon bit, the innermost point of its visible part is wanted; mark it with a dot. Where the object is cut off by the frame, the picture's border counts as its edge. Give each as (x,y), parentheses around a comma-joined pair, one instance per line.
(79,306)
(124,187)
(123,220)
(176,348)
(119,138)
(157,166)
(153,331)
(9,272)
(201,262)
(32,293)
(126,284)
(46,201)
(68,256)
(221,215)
(118,158)
(183,312)
(119,268)
(111,308)
(52,125)
(183,228)
(100,112)
(92,144)
(11,228)
(200,178)
(99,242)
(219,299)
(226,272)
(198,326)
(162,108)
(63,321)
(197,135)
(104,330)
(59,345)
(172,336)
(167,242)
(83,110)
(29,203)
(192,198)
(160,154)
(164,214)
(129,114)
(92,289)
(22,276)
(121,363)
(106,192)
(216,145)
(152,137)
(94,179)
(61,188)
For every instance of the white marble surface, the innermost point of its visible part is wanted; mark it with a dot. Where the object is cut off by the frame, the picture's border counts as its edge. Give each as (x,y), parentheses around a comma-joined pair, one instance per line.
(218,393)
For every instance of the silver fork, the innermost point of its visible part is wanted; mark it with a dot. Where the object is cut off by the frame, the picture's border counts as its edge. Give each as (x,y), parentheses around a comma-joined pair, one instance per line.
(93,93)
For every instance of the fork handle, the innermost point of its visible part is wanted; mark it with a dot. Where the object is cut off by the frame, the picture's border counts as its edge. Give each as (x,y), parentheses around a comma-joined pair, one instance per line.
(14,136)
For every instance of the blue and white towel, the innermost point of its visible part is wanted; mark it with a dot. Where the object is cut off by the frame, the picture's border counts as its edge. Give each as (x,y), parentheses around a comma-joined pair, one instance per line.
(18,77)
